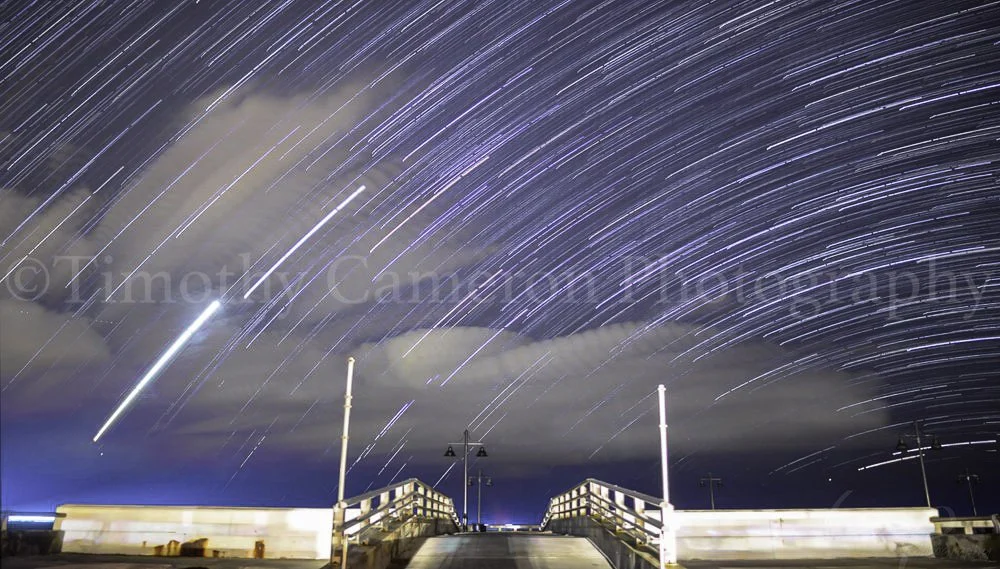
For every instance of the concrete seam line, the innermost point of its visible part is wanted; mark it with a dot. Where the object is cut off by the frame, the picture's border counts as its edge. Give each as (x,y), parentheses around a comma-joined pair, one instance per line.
(601,551)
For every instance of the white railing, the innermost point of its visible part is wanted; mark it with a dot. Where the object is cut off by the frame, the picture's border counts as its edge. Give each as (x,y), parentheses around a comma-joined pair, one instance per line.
(355,518)
(628,511)
(967,525)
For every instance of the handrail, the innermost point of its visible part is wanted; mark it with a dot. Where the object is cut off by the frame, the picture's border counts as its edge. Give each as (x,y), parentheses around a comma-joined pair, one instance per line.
(379,508)
(966,523)
(627,510)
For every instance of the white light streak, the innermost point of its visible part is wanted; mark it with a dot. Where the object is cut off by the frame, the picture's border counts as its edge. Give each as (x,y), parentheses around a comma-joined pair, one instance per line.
(926,448)
(305,238)
(448,186)
(443,475)
(160,364)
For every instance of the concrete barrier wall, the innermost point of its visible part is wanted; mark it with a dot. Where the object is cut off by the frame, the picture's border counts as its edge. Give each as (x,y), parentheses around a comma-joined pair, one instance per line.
(816,533)
(795,534)
(304,533)
(296,533)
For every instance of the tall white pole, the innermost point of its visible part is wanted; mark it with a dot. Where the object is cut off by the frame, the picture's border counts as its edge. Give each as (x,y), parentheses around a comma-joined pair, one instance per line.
(343,452)
(668,539)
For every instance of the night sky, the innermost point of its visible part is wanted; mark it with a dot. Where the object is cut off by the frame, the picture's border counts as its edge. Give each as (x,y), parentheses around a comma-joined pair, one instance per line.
(786,212)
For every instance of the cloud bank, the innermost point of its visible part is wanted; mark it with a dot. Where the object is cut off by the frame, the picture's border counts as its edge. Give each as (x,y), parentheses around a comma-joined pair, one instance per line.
(239,187)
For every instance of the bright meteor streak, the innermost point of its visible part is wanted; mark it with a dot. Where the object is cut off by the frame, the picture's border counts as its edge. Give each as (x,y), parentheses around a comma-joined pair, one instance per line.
(305,237)
(160,364)
(432,198)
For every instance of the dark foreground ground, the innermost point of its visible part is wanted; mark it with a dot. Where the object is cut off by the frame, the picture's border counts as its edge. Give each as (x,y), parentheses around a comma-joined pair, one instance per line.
(71,561)
(82,561)
(908,563)
(466,552)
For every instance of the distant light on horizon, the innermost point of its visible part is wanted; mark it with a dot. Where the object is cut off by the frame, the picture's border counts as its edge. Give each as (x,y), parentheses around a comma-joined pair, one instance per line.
(30,519)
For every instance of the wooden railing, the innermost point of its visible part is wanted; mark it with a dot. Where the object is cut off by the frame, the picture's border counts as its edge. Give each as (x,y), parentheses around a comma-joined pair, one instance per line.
(967,525)
(625,510)
(382,508)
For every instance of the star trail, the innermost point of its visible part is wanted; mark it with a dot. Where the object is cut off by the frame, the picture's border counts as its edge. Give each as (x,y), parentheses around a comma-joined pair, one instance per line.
(519,217)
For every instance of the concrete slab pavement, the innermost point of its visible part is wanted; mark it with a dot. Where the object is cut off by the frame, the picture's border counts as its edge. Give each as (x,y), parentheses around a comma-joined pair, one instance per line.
(507,551)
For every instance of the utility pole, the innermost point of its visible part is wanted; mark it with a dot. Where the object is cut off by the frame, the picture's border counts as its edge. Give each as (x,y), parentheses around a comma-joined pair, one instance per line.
(711,482)
(923,469)
(902,447)
(466,443)
(478,480)
(969,479)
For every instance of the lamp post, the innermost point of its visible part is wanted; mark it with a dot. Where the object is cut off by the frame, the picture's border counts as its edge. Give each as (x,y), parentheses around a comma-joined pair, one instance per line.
(481,453)
(478,480)
(712,482)
(339,553)
(668,539)
(969,479)
(902,447)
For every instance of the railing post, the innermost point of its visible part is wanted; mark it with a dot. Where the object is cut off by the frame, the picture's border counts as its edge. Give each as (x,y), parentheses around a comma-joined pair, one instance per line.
(602,491)
(640,511)
(338,539)
(385,503)
(366,506)
(620,510)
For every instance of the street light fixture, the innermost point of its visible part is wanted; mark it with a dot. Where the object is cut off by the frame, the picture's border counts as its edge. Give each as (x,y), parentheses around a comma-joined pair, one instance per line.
(902,447)
(450,453)
(970,479)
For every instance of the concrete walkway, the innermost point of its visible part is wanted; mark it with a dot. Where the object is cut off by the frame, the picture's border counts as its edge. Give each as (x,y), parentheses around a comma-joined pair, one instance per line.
(477,551)
(507,551)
